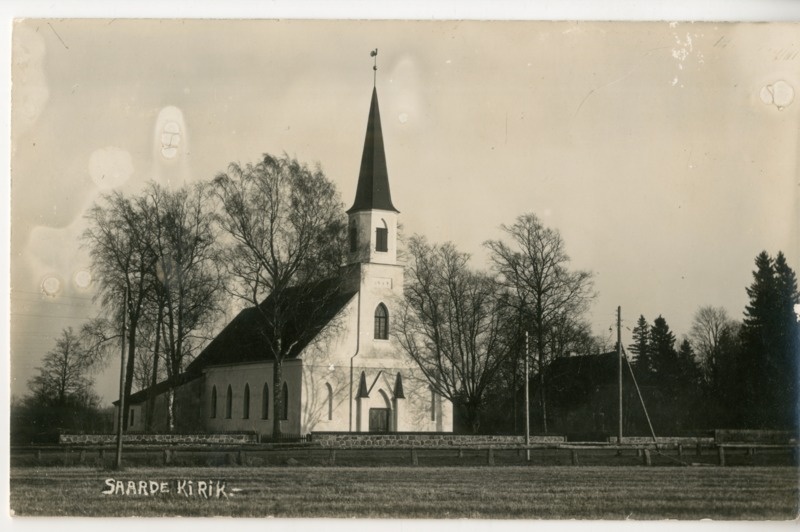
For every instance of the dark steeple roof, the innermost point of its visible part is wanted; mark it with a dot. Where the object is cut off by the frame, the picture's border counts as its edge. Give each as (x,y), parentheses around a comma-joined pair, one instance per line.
(373,180)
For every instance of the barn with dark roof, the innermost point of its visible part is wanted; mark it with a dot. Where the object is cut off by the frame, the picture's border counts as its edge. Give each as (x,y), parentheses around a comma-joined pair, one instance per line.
(350,374)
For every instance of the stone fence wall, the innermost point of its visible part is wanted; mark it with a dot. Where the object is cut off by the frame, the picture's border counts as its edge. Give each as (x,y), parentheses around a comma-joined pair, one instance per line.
(674,440)
(755,436)
(347,440)
(159,439)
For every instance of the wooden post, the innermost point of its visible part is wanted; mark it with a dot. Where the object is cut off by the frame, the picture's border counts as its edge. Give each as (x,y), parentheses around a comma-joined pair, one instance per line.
(121,401)
(751,451)
(639,453)
(414,457)
(332,456)
(680,449)
(66,457)
(102,454)
(82,456)
(647,460)
(619,372)
(240,459)
(527,402)
(167,456)
(574,457)
(699,451)
(38,454)
(460,452)
(490,456)
(721,455)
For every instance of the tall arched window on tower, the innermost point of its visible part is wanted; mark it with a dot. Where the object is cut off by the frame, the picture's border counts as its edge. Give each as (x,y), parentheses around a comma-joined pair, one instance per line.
(285,401)
(246,402)
(265,401)
(213,401)
(353,235)
(382,237)
(381,322)
(228,402)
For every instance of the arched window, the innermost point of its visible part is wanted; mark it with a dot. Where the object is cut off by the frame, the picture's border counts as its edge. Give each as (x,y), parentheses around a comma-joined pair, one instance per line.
(265,402)
(213,401)
(381,322)
(382,238)
(330,400)
(228,402)
(285,401)
(246,402)
(353,236)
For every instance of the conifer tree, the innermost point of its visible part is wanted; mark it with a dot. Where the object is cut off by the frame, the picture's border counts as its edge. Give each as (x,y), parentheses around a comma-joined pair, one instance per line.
(767,373)
(640,347)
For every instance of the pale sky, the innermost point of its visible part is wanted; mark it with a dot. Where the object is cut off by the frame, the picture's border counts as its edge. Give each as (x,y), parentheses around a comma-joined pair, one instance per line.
(665,154)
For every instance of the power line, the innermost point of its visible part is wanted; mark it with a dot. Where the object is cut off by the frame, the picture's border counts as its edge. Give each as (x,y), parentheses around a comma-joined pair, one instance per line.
(50,316)
(15,291)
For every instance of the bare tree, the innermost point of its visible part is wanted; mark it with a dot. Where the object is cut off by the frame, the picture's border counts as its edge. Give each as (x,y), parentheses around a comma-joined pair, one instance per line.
(454,325)
(122,263)
(187,281)
(533,266)
(709,329)
(287,227)
(160,248)
(64,375)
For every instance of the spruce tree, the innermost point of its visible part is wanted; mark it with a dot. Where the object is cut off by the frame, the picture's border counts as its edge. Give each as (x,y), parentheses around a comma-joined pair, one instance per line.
(640,348)
(663,357)
(767,370)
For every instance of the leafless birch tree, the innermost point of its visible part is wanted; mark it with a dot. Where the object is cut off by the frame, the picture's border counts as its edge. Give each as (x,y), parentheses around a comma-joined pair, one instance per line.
(533,265)
(454,325)
(287,226)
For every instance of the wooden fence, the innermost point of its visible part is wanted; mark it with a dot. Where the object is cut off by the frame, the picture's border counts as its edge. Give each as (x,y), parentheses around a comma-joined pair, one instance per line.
(675,453)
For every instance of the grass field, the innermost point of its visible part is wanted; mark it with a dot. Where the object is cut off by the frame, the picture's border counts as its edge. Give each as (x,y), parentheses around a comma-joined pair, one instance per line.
(532,492)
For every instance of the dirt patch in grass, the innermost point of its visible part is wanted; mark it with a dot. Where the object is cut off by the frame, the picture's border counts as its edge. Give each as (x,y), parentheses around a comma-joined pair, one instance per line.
(549,492)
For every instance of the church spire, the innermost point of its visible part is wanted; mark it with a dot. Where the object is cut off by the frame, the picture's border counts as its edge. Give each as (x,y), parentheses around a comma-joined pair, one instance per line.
(372,191)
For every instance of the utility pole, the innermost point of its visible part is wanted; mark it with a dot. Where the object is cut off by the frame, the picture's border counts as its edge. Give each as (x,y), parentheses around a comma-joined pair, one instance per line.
(527,404)
(120,410)
(619,367)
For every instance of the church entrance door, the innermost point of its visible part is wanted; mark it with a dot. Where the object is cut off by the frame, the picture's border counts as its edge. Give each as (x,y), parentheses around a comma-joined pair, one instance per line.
(379,420)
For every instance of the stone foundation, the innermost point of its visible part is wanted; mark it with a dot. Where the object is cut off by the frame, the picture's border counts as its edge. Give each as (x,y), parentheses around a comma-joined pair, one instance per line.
(345,440)
(159,439)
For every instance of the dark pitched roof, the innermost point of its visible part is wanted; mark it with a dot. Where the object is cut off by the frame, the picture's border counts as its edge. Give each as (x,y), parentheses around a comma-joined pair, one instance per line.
(247,337)
(161,387)
(372,191)
(573,379)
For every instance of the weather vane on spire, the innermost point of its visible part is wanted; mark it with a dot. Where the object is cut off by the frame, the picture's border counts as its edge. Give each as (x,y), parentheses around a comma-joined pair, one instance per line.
(374,54)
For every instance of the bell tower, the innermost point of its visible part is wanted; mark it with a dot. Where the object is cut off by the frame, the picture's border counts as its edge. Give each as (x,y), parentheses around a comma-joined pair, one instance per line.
(372,224)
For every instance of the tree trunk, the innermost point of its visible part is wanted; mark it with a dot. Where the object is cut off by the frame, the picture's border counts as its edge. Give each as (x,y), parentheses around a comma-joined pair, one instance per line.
(514,397)
(542,393)
(151,396)
(277,396)
(171,410)
(129,372)
(473,418)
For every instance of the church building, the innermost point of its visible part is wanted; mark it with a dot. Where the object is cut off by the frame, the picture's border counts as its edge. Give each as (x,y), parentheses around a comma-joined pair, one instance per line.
(353,376)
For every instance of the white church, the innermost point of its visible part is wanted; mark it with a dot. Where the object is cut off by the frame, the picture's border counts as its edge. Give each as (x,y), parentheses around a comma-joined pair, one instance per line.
(353,376)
